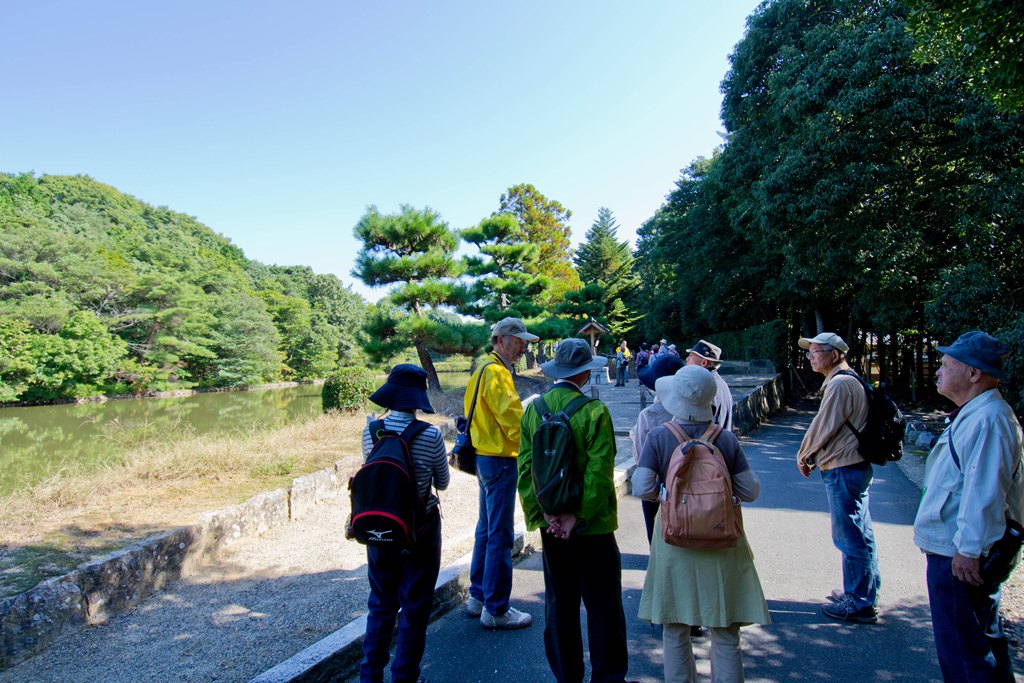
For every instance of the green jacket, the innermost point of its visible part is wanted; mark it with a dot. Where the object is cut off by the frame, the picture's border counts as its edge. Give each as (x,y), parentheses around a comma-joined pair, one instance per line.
(595,452)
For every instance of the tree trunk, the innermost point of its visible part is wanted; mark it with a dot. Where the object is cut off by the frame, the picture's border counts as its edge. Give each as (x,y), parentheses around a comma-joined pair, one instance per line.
(427,364)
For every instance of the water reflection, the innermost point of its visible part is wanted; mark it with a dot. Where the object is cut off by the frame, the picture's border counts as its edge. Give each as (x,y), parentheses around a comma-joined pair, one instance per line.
(39,441)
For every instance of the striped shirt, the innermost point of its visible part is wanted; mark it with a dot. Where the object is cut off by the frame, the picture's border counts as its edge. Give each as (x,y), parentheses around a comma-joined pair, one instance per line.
(429,456)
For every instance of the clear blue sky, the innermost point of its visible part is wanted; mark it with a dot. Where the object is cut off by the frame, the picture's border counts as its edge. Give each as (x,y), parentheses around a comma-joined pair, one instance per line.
(277,123)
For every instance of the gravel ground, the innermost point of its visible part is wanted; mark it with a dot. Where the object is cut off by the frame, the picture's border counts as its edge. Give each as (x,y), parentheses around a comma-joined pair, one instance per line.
(263,601)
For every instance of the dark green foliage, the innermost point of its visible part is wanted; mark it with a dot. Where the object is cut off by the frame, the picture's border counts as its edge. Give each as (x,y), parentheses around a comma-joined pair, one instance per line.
(348,390)
(602,260)
(102,293)
(545,222)
(983,39)
(858,190)
(507,282)
(415,250)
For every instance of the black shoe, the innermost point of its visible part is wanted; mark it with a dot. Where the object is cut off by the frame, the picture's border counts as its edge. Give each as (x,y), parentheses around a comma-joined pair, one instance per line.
(696,632)
(846,611)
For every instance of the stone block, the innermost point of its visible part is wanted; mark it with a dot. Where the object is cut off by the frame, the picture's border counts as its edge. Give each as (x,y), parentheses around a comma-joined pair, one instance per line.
(313,489)
(121,580)
(31,621)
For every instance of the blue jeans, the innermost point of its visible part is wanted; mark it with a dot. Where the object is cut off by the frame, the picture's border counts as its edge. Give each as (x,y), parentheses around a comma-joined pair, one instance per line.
(968,634)
(490,573)
(852,533)
(406,580)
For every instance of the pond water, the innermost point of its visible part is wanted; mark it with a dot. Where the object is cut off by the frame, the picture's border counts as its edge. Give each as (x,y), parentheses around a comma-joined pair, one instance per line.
(39,441)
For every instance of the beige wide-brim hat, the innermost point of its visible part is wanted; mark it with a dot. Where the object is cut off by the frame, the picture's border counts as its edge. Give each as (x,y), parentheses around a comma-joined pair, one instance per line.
(687,395)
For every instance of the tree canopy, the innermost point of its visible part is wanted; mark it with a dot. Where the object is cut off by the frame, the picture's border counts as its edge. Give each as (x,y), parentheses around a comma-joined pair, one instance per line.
(102,293)
(858,190)
(544,222)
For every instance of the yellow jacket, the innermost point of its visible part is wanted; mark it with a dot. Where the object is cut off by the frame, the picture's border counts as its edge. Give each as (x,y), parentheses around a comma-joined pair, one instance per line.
(495,427)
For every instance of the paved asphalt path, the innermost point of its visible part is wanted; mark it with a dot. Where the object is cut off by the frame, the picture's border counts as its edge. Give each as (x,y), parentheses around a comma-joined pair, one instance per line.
(788,528)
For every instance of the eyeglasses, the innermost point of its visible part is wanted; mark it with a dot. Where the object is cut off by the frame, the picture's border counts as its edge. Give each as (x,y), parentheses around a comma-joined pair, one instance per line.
(810,354)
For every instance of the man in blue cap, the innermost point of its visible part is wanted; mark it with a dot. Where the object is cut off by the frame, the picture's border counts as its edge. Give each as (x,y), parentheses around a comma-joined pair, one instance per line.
(973,484)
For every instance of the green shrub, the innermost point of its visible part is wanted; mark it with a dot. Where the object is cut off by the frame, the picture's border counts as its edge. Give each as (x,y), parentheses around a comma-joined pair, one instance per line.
(348,389)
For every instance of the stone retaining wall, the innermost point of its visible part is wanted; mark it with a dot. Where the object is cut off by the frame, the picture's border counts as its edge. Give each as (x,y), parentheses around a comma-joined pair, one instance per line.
(95,591)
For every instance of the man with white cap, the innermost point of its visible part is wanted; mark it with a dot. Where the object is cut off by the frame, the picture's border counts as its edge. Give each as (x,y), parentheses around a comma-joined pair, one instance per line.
(831,446)
(972,486)
(581,557)
(495,435)
(708,356)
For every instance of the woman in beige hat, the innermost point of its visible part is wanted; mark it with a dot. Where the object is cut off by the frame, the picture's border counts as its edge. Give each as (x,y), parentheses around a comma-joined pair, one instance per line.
(718,587)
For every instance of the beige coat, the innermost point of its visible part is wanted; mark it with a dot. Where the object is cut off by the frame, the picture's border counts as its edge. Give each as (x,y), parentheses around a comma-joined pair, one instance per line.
(829,443)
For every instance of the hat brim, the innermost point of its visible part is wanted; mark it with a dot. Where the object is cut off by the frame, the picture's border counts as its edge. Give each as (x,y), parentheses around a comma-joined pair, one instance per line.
(964,357)
(554,370)
(526,336)
(649,375)
(701,355)
(407,399)
(676,406)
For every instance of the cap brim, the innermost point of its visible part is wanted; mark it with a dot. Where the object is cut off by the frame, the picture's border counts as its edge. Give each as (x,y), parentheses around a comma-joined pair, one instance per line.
(555,371)
(526,336)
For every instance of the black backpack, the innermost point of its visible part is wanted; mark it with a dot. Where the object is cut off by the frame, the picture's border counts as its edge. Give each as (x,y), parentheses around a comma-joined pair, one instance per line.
(387,509)
(881,441)
(556,483)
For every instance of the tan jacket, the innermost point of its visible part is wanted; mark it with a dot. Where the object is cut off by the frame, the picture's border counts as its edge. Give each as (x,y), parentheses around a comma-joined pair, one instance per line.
(829,443)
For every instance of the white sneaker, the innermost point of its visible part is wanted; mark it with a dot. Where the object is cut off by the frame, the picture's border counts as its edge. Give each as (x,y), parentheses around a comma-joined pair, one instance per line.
(511,619)
(474,607)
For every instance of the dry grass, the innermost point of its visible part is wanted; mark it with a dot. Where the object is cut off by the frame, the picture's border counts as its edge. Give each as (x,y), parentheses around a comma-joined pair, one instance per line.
(78,514)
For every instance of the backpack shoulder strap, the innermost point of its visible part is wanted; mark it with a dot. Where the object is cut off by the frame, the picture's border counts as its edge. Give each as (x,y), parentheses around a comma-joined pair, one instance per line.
(864,385)
(544,409)
(711,433)
(576,404)
(412,430)
(677,432)
(377,430)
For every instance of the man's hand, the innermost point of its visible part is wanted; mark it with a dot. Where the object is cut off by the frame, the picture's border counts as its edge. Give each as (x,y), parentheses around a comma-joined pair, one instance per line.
(967,569)
(805,469)
(561,526)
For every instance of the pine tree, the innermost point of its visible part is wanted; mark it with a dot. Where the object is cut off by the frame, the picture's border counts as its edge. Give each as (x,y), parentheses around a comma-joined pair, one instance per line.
(507,283)
(415,250)
(603,260)
(545,223)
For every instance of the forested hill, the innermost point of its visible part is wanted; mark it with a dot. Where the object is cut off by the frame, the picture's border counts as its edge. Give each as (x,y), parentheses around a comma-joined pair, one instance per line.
(102,293)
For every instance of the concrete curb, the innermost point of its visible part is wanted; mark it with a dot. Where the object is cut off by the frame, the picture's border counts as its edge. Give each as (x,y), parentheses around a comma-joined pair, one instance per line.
(338,654)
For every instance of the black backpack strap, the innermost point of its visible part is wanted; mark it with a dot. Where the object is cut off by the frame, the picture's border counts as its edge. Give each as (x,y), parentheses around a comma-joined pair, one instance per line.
(864,385)
(575,405)
(376,428)
(412,430)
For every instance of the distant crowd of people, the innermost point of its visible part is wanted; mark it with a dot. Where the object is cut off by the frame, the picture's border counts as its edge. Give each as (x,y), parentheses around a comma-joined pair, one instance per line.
(973,485)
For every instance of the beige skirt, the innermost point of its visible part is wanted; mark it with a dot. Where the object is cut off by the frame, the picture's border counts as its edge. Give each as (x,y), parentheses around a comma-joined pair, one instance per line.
(713,588)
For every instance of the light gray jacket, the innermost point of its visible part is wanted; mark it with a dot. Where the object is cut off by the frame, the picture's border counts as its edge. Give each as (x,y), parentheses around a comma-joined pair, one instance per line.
(963,509)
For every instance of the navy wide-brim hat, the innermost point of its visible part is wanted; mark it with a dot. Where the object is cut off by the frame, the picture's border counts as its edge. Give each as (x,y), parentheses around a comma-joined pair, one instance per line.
(979,350)
(661,366)
(405,390)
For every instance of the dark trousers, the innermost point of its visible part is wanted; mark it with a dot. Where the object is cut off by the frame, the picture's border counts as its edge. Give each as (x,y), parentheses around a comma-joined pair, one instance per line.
(587,568)
(650,508)
(968,635)
(406,580)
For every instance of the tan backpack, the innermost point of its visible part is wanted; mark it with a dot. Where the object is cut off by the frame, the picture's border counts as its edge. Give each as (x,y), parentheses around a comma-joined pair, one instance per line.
(699,509)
